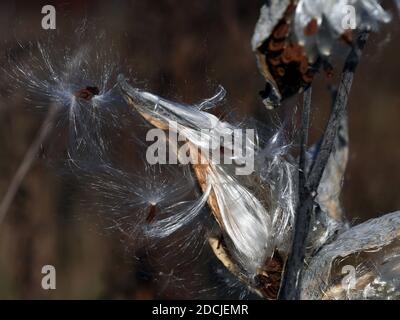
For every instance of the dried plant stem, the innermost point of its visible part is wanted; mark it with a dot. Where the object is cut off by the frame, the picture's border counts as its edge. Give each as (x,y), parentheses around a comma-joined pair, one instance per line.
(339,108)
(304,137)
(307,192)
(27,162)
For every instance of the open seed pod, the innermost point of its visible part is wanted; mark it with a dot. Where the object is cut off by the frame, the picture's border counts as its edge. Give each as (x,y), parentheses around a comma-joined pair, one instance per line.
(362,263)
(282,61)
(292,38)
(250,223)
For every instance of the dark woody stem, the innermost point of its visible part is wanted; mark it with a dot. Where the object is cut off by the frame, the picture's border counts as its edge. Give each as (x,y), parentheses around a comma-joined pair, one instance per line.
(305,125)
(308,185)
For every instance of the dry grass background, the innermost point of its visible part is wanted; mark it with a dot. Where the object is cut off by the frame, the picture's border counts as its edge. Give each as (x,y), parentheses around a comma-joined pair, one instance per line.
(180,48)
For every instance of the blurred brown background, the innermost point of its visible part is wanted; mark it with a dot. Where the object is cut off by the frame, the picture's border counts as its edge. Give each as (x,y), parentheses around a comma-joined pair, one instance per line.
(180,49)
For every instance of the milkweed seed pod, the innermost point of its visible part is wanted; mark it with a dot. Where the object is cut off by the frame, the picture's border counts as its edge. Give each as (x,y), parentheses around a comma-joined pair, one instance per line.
(247,244)
(361,263)
(283,63)
(291,35)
